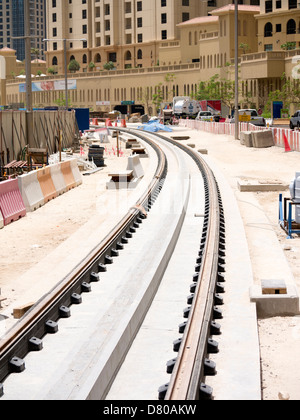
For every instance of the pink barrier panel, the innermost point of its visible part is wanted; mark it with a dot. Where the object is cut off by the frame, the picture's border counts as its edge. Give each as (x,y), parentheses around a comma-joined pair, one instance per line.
(11,202)
(1,221)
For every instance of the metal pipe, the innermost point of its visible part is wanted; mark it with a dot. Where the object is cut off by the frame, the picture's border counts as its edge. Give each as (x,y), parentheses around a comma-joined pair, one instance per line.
(66,74)
(27,55)
(29,114)
(236,59)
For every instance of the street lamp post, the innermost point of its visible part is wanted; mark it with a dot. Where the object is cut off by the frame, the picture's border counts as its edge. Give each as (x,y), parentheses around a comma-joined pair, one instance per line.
(236,115)
(64,40)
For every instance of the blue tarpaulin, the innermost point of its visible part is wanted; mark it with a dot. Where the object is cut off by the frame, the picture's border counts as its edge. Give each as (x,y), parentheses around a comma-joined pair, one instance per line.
(154,126)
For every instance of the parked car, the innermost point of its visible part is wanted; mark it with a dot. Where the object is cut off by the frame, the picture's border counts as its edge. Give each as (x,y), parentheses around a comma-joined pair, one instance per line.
(255,119)
(295,120)
(207,116)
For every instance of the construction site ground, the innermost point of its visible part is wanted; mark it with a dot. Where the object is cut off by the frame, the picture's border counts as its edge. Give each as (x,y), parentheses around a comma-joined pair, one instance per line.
(30,240)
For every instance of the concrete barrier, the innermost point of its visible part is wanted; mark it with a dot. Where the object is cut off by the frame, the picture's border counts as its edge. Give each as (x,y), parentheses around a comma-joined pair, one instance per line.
(246,138)
(263,139)
(46,183)
(58,178)
(135,165)
(76,173)
(68,174)
(11,203)
(31,192)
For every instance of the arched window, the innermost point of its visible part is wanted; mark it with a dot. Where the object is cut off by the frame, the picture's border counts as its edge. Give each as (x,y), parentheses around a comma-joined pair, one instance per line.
(98,58)
(54,61)
(72,58)
(128,55)
(140,54)
(268,29)
(84,59)
(291,27)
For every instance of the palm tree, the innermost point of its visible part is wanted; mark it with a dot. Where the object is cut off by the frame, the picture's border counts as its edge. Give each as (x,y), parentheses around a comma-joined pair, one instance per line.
(35,52)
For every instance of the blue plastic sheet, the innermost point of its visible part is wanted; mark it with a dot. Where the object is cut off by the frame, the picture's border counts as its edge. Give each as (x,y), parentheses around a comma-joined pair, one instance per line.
(154,126)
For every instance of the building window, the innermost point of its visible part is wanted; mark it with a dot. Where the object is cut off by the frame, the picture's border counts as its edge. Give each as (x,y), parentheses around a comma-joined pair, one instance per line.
(268,29)
(291,27)
(269,6)
(268,47)
(292,4)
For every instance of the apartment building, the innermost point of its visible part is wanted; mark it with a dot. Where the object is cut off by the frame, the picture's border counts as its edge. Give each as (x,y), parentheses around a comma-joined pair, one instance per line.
(184,44)
(12,25)
(279,24)
(125,32)
(197,44)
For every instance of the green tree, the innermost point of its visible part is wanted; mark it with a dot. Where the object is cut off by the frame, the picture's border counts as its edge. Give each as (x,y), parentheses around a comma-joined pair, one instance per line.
(73,66)
(288,94)
(92,65)
(288,46)
(245,47)
(157,97)
(52,70)
(209,89)
(61,101)
(35,52)
(169,79)
(109,66)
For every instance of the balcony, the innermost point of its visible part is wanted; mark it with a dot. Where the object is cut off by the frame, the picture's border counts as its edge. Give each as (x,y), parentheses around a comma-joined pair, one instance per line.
(263,65)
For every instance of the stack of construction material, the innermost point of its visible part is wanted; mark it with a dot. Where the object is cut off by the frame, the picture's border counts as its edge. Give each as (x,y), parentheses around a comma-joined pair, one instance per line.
(257,139)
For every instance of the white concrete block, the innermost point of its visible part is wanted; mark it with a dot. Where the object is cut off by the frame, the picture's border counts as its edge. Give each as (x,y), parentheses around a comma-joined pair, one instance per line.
(31,192)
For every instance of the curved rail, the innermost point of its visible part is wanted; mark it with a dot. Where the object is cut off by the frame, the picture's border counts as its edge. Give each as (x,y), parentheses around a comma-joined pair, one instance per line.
(192,365)
(42,318)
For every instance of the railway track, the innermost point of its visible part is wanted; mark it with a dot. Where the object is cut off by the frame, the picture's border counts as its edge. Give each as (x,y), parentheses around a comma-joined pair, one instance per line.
(189,369)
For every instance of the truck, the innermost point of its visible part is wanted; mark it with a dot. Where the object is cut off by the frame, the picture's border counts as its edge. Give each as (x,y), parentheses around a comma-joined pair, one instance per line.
(214,106)
(251,116)
(186,107)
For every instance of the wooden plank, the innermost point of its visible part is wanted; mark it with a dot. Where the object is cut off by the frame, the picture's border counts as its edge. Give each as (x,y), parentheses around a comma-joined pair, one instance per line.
(21,310)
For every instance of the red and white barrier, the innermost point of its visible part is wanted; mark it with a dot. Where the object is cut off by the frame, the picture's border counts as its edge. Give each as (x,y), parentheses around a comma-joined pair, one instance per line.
(229,129)
(30,191)
(11,203)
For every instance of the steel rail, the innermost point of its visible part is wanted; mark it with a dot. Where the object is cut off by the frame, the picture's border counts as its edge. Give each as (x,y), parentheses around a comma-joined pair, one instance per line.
(188,372)
(41,319)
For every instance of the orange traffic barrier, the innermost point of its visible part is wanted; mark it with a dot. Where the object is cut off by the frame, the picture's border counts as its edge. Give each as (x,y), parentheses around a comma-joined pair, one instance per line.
(46,183)
(68,175)
(108,123)
(123,123)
